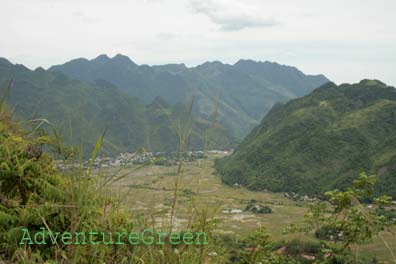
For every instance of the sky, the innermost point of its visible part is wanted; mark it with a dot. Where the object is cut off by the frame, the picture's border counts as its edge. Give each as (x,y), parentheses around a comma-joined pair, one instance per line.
(346,40)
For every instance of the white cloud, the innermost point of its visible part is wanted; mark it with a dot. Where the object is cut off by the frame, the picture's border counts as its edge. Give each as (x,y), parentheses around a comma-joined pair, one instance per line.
(232,15)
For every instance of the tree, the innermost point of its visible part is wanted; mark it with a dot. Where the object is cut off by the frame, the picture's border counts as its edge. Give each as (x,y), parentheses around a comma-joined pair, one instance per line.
(347,220)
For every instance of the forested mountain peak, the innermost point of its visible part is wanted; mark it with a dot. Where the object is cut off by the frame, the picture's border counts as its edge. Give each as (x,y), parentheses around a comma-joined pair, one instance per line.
(321,141)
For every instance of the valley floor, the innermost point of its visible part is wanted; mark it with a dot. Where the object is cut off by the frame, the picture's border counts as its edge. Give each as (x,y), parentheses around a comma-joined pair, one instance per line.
(149,191)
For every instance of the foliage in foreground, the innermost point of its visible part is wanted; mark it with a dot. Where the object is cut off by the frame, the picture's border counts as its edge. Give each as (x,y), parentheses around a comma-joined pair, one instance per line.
(34,195)
(347,222)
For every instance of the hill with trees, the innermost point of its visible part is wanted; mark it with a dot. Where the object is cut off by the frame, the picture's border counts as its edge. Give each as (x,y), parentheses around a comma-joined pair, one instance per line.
(320,142)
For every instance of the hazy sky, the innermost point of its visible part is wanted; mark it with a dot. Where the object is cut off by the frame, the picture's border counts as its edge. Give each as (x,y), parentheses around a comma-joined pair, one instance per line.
(347,40)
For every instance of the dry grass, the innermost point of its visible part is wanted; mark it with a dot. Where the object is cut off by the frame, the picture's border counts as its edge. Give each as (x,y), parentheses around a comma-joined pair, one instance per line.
(152,191)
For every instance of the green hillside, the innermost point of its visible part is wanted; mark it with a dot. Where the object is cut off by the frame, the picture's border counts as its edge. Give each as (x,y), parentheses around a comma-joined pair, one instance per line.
(247,90)
(82,111)
(320,142)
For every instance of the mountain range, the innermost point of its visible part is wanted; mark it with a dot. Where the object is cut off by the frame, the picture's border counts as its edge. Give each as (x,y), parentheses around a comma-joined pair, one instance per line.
(144,106)
(82,111)
(245,90)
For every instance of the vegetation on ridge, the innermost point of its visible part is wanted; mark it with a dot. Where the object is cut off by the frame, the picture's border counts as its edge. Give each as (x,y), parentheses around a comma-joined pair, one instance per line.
(320,142)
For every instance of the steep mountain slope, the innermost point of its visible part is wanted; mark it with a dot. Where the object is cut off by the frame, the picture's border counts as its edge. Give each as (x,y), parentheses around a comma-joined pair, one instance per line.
(246,90)
(320,142)
(166,122)
(83,111)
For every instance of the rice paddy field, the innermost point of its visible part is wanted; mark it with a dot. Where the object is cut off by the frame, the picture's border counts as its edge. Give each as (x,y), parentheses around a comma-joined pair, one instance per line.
(149,191)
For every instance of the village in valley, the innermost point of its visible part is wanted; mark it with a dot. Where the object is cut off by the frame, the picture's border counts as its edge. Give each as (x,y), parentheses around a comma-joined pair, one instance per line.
(143,157)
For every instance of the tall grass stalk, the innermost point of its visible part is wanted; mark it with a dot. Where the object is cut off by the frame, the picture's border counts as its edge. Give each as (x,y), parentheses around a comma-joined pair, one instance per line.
(184,132)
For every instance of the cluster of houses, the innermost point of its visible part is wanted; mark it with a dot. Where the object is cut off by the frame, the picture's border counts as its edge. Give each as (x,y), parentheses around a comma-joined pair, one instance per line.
(157,158)
(298,197)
